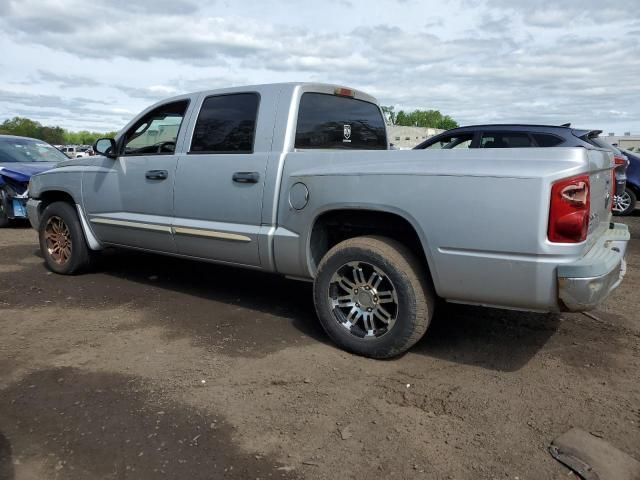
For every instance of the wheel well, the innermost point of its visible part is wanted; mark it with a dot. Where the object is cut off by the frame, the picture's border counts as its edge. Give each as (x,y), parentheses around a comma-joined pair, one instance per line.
(49,197)
(634,188)
(336,226)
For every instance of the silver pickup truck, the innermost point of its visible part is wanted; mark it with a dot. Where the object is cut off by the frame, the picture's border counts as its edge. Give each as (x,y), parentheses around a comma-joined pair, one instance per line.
(298,179)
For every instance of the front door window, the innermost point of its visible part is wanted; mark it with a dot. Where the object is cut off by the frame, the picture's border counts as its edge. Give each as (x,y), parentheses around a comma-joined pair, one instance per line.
(157,132)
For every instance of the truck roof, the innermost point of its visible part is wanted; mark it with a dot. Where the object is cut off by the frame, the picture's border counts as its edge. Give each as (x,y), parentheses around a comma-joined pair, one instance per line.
(277,87)
(578,132)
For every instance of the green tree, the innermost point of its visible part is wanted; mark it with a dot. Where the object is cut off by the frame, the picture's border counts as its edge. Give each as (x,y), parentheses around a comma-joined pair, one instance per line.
(401,118)
(52,135)
(425,118)
(21,126)
(25,127)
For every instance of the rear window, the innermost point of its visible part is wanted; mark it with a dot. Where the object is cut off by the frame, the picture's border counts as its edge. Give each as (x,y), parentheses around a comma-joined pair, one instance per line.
(598,142)
(505,140)
(547,140)
(330,121)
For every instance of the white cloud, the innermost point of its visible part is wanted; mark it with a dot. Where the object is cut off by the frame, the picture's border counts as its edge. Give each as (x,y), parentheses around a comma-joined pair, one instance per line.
(479,61)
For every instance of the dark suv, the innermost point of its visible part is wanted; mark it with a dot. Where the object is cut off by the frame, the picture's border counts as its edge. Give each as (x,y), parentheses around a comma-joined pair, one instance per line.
(526,136)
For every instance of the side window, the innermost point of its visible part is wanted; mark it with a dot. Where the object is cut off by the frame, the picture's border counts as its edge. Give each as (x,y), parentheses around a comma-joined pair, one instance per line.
(332,121)
(226,124)
(506,140)
(157,131)
(547,140)
(453,141)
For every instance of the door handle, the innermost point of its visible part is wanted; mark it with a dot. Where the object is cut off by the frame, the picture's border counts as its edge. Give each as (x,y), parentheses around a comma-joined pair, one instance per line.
(246,177)
(157,174)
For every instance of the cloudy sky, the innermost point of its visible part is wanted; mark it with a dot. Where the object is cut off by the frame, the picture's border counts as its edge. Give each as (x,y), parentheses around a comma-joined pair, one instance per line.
(94,64)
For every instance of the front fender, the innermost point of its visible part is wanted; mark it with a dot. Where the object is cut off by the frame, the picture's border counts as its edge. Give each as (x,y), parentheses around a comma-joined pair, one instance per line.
(54,181)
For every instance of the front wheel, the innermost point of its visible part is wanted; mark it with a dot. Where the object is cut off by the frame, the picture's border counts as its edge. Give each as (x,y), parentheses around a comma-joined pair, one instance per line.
(624,204)
(62,241)
(373,296)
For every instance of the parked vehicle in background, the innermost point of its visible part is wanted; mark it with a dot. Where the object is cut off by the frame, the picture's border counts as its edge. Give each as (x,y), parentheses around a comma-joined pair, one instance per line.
(73,151)
(20,158)
(526,136)
(621,200)
(626,203)
(510,136)
(298,179)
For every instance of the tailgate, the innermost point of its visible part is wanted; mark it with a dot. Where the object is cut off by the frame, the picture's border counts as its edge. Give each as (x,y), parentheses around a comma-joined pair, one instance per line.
(600,179)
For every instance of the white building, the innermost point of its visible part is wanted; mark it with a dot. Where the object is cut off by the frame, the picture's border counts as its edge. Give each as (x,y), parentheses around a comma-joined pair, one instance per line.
(626,141)
(408,137)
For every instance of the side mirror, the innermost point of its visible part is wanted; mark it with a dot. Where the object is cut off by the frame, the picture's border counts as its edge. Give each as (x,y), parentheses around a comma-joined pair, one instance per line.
(106,147)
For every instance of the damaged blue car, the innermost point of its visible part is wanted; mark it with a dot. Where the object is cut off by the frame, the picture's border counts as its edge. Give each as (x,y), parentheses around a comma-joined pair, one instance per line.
(20,158)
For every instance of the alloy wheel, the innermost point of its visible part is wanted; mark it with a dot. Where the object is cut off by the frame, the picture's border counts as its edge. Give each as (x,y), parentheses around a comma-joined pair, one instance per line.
(621,202)
(363,299)
(58,240)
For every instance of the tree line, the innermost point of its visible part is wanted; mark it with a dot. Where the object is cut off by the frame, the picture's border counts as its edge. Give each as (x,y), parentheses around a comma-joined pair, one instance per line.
(25,127)
(419,118)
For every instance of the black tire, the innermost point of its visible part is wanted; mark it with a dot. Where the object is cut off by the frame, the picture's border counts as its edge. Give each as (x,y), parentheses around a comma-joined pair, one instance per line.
(631,197)
(79,257)
(414,305)
(4,205)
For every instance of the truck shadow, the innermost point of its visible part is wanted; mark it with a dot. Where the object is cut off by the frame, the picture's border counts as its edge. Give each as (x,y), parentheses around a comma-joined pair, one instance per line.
(208,301)
(489,338)
(502,340)
(6,459)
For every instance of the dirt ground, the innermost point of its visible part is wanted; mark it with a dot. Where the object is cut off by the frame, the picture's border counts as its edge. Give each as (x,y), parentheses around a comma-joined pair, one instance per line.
(153,367)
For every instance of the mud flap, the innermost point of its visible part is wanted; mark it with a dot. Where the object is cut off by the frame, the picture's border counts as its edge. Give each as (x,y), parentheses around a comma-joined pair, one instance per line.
(593,458)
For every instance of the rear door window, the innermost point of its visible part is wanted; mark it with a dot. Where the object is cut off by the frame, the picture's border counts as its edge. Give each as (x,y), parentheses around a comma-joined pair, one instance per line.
(506,140)
(226,124)
(546,139)
(331,121)
(453,141)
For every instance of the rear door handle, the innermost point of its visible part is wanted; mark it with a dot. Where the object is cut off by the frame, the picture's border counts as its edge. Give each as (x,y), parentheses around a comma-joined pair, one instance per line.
(157,174)
(246,177)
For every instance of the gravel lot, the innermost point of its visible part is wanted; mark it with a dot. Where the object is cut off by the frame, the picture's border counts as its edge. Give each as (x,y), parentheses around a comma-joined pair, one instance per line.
(153,367)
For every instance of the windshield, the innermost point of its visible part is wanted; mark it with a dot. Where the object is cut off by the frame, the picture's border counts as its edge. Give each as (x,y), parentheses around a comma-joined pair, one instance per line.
(28,150)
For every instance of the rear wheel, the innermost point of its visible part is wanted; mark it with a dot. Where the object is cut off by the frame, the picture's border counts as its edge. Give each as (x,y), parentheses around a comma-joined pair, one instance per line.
(62,241)
(624,204)
(373,296)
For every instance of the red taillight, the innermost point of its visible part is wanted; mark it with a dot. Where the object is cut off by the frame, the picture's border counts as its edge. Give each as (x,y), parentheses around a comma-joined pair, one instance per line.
(614,187)
(620,161)
(569,210)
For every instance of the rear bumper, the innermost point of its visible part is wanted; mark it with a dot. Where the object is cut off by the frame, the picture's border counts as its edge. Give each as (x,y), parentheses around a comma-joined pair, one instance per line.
(584,284)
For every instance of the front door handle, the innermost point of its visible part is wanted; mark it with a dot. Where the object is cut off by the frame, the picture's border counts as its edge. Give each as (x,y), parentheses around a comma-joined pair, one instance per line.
(157,174)
(246,177)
